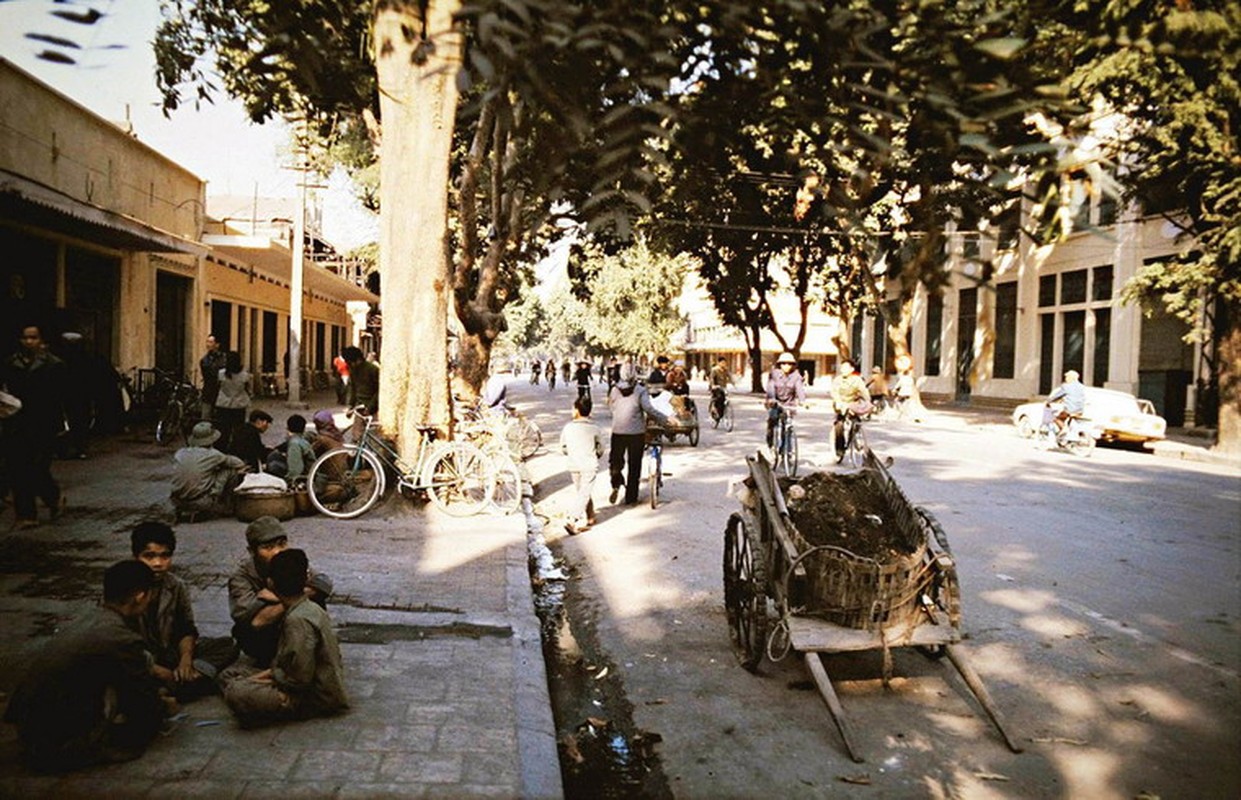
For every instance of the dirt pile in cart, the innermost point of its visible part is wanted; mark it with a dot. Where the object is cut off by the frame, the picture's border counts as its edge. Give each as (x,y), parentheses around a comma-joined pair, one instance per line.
(847,511)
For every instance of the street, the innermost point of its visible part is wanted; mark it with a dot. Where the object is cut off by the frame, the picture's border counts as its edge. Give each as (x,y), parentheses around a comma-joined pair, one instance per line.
(1100,606)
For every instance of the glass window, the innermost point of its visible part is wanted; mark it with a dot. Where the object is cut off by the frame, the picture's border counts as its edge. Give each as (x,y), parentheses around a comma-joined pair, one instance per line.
(1005,362)
(970,247)
(1074,347)
(1073,287)
(1101,283)
(934,334)
(271,325)
(1102,345)
(1046,290)
(1046,351)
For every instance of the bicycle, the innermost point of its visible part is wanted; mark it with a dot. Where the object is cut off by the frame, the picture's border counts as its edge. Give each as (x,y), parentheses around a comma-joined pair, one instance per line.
(348,481)
(721,408)
(654,459)
(1075,438)
(852,441)
(181,410)
(785,447)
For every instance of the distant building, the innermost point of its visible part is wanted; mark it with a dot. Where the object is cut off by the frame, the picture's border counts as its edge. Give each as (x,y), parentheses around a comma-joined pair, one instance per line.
(1048,309)
(103,235)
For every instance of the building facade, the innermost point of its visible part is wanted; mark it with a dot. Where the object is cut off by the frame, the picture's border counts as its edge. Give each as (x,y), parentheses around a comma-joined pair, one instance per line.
(1044,310)
(104,236)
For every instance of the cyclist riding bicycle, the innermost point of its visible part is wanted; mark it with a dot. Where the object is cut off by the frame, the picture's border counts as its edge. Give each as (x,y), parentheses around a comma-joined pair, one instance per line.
(849,397)
(719,380)
(785,391)
(1072,398)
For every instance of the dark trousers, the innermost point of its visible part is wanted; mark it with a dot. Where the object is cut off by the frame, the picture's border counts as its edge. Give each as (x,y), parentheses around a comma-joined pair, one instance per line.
(627,447)
(29,463)
(226,419)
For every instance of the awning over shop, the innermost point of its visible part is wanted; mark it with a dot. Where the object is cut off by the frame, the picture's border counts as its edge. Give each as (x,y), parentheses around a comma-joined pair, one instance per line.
(36,205)
(274,259)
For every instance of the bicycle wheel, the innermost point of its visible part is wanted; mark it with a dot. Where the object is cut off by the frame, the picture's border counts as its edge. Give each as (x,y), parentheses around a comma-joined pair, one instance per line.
(169,425)
(788,454)
(840,443)
(459,479)
(524,438)
(345,482)
(857,446)
(507,495)
(655,477)
(728,416)
(1080,443)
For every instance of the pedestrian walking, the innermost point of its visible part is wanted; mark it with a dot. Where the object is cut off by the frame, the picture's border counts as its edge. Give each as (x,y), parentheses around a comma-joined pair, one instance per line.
(631,408)
(581,442)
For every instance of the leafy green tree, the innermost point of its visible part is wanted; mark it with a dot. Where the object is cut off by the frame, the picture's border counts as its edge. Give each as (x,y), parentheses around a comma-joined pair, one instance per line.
(560,102)
(631,306)
(1172,71)
(911,120)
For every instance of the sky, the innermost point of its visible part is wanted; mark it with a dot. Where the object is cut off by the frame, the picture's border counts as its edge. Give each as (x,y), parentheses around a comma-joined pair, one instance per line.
(216,142)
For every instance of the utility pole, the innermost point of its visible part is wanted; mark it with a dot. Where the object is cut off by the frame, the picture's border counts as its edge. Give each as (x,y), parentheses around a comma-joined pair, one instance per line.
(298,266)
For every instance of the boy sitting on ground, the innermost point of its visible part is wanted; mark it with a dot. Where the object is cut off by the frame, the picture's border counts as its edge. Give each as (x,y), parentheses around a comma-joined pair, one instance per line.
(184,663)
(247,442)
(89,696)
(255,609)
(306,675)
(292,460)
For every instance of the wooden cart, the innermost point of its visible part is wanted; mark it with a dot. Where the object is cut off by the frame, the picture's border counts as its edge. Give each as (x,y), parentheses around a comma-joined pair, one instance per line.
(682,422)
(825,599)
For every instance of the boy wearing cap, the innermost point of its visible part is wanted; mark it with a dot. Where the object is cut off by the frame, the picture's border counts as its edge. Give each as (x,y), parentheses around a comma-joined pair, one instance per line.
(185,663)
(256,610)
(203,478)
(306,674)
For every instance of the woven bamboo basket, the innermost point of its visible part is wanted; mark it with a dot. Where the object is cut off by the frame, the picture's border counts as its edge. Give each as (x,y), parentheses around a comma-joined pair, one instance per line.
(846,589)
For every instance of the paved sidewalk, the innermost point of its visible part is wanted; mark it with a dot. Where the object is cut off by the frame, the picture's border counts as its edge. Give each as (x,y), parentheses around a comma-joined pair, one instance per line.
(443,660)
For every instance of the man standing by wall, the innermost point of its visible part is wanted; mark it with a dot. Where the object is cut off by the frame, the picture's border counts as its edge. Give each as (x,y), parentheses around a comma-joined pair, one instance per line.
(210,366)
(37,378)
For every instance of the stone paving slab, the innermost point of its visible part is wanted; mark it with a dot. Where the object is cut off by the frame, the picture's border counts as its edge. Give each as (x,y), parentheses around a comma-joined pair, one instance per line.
(440,642)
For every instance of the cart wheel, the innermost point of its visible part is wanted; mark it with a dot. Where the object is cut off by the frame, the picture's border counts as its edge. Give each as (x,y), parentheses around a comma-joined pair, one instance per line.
(745,592)
(693,435)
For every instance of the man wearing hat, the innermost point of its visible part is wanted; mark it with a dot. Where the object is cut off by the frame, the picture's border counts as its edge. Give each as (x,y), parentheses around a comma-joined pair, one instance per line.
(203,478)
(256,610)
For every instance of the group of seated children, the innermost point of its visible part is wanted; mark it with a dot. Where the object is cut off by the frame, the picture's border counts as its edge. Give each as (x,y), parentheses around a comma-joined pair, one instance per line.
(100,690)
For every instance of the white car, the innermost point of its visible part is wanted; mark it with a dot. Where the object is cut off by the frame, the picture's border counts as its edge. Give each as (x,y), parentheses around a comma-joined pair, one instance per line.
(1114,416)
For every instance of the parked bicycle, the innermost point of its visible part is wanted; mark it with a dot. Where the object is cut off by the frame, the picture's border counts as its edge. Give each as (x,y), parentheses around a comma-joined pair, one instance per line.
(348,481)
(181,409)
(785,444)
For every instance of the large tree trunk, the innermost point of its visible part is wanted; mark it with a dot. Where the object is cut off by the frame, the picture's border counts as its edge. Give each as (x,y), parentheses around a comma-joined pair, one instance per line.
(754,343)
(1229,436)
(418,102)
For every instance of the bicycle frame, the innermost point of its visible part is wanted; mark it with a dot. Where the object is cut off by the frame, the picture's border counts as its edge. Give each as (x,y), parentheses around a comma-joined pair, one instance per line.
(407,477)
